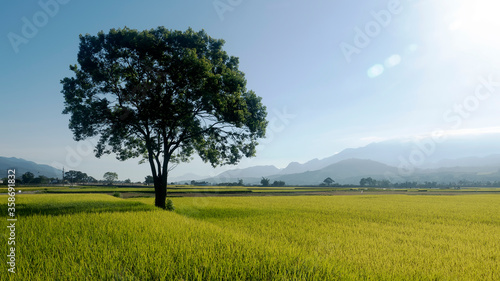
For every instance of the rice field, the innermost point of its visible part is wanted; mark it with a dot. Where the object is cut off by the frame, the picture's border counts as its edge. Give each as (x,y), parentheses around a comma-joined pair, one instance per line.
(356,237)
(188,190)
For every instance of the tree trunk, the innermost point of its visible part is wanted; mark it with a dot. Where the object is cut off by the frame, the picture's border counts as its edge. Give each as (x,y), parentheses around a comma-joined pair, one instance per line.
(160,190)
(159,176)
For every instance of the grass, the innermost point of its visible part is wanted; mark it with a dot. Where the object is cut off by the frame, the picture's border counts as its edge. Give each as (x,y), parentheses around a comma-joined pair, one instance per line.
(59,204)
(4,189)
(188,190)
(367,237)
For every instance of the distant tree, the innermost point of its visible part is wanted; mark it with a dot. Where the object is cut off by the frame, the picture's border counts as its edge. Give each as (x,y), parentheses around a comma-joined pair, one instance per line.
(27,177)
(70,176)
(76,176)
(278,183)
(328,181)
(384,183)
(162,95)
(367,182)
(127,181)
(408,184)
(91,180)
(265,181)
(41,180)
(240,182)
(148,180)
(110,177)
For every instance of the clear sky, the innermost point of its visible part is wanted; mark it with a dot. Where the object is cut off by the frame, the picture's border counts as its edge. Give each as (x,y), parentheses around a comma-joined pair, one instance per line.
(333,74)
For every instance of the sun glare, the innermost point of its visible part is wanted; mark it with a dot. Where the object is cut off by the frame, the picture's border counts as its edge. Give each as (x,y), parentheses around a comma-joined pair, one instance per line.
(479,21)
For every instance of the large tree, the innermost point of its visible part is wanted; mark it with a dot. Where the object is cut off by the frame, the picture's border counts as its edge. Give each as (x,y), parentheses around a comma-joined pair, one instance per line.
(110,177)
(162,95)
(75,176)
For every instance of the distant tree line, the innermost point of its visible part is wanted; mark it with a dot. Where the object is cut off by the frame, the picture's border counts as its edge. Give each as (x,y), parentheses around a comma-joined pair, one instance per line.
(238,183)
(374,183)
(78,177)
(199,183)
(267,182)
(370,182)
(29,178)
(69,177)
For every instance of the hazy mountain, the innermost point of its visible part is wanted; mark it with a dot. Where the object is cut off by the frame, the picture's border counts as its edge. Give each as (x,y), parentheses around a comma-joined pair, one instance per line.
(478,155)
(432,153)
(386,152)
(490,160)
(456,174)
(351,171)
(345,171)
(293,167)
(186,177)
(312,165)
(251,175)
(22,166)
(380,152)
(252,172)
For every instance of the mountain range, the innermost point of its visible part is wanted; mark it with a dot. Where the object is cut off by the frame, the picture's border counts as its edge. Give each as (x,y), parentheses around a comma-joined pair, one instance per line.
(475,158)
(22,166)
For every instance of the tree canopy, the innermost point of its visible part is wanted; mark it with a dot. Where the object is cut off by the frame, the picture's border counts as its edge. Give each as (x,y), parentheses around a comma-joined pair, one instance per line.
(28,177)
(76,176)
(328,181)
(265,181)
(162,95)
(110,177)
(148,180)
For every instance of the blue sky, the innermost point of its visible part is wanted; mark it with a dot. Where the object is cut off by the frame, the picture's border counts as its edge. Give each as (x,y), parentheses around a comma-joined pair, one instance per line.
(333,74)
